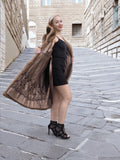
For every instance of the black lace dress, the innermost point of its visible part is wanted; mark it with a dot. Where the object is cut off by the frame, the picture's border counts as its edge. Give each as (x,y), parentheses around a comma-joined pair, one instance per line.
(58,63)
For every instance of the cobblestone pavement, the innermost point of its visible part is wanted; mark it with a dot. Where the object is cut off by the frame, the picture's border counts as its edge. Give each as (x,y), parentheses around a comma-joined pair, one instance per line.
(93,118)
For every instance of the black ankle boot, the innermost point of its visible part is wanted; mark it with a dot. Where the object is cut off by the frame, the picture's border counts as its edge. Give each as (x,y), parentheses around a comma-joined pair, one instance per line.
(52,126)
(60,130)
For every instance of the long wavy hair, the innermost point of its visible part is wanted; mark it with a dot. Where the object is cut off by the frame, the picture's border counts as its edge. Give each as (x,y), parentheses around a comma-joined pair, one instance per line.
(50,33)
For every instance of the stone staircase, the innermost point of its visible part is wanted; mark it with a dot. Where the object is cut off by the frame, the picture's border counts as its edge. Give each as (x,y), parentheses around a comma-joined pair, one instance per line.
(93,118)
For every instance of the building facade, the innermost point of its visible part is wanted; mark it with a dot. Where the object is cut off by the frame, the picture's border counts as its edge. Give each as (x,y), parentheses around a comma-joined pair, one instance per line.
(72,13)
(13,30)
(102,23)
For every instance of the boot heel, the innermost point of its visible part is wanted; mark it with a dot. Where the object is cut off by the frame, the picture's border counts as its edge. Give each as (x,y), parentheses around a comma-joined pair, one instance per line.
(52,127)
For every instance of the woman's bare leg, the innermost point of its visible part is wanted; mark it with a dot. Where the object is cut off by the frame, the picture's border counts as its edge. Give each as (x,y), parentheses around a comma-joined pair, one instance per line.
(65,94)
(56,105)
(61,100)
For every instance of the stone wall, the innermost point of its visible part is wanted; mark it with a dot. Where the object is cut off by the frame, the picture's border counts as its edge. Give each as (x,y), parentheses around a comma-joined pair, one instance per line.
(2,36)
(14,27)
(14,20)
(100,32)
(71,14)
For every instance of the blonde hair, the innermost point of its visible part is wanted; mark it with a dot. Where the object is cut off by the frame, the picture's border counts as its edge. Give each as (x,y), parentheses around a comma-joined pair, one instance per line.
(50,32)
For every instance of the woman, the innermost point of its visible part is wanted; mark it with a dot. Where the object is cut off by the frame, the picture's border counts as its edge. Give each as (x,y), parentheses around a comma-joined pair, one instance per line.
(43,82)
(61,90)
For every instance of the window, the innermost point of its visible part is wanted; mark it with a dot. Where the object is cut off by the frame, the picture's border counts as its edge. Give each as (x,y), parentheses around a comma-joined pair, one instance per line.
(115,15)
(77,1)
(76,30)
(102,27)
(46,2)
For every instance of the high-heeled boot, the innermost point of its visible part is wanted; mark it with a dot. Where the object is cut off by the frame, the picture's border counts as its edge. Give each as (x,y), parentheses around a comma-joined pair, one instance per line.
(52,126)
(60,130)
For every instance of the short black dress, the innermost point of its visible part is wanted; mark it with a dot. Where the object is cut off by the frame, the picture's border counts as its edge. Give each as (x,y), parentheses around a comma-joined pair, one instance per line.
(58,63)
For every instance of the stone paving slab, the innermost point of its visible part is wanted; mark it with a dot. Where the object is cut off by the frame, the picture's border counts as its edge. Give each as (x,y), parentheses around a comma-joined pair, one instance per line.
(93,118)
(9,153)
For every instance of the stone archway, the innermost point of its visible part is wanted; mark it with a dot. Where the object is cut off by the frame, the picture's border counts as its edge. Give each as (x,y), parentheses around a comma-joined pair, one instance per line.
(32,34)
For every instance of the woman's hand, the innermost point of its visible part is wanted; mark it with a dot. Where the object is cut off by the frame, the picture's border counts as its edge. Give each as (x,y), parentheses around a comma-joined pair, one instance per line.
(37,50)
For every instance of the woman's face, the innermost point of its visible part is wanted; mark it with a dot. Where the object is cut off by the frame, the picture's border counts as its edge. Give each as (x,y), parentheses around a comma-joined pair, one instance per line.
(57,23)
